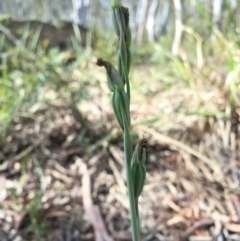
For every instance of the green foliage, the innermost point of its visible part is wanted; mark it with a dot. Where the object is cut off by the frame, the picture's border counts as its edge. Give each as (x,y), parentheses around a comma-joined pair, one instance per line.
(26,68)
(104,43)
(233,67)
(37,226)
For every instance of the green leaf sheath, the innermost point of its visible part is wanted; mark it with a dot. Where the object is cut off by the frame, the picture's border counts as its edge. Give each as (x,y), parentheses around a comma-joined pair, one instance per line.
(120,18)
(117,112)
(123,51)
(120,101)
(128,37)
(115,24)
(128,60)
(119,65)
(125,105)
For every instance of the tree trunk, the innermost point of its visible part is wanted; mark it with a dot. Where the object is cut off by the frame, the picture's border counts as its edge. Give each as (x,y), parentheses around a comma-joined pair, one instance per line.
(178,26)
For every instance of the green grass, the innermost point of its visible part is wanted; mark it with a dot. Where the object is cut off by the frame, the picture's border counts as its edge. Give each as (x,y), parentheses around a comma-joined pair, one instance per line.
(27,68)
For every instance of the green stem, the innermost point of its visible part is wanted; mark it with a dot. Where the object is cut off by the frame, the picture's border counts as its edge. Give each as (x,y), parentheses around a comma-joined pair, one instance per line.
(127,158)
(127,82)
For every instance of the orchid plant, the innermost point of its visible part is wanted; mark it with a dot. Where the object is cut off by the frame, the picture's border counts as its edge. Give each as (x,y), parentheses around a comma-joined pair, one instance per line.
(119,85)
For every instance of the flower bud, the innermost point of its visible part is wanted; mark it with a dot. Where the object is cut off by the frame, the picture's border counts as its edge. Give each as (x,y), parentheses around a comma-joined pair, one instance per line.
(138,173)
(139,155)
(114,79)
(138,170)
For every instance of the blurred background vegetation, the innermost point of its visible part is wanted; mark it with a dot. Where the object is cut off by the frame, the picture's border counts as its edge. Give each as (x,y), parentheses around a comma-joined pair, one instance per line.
(179,35)
(185,76)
